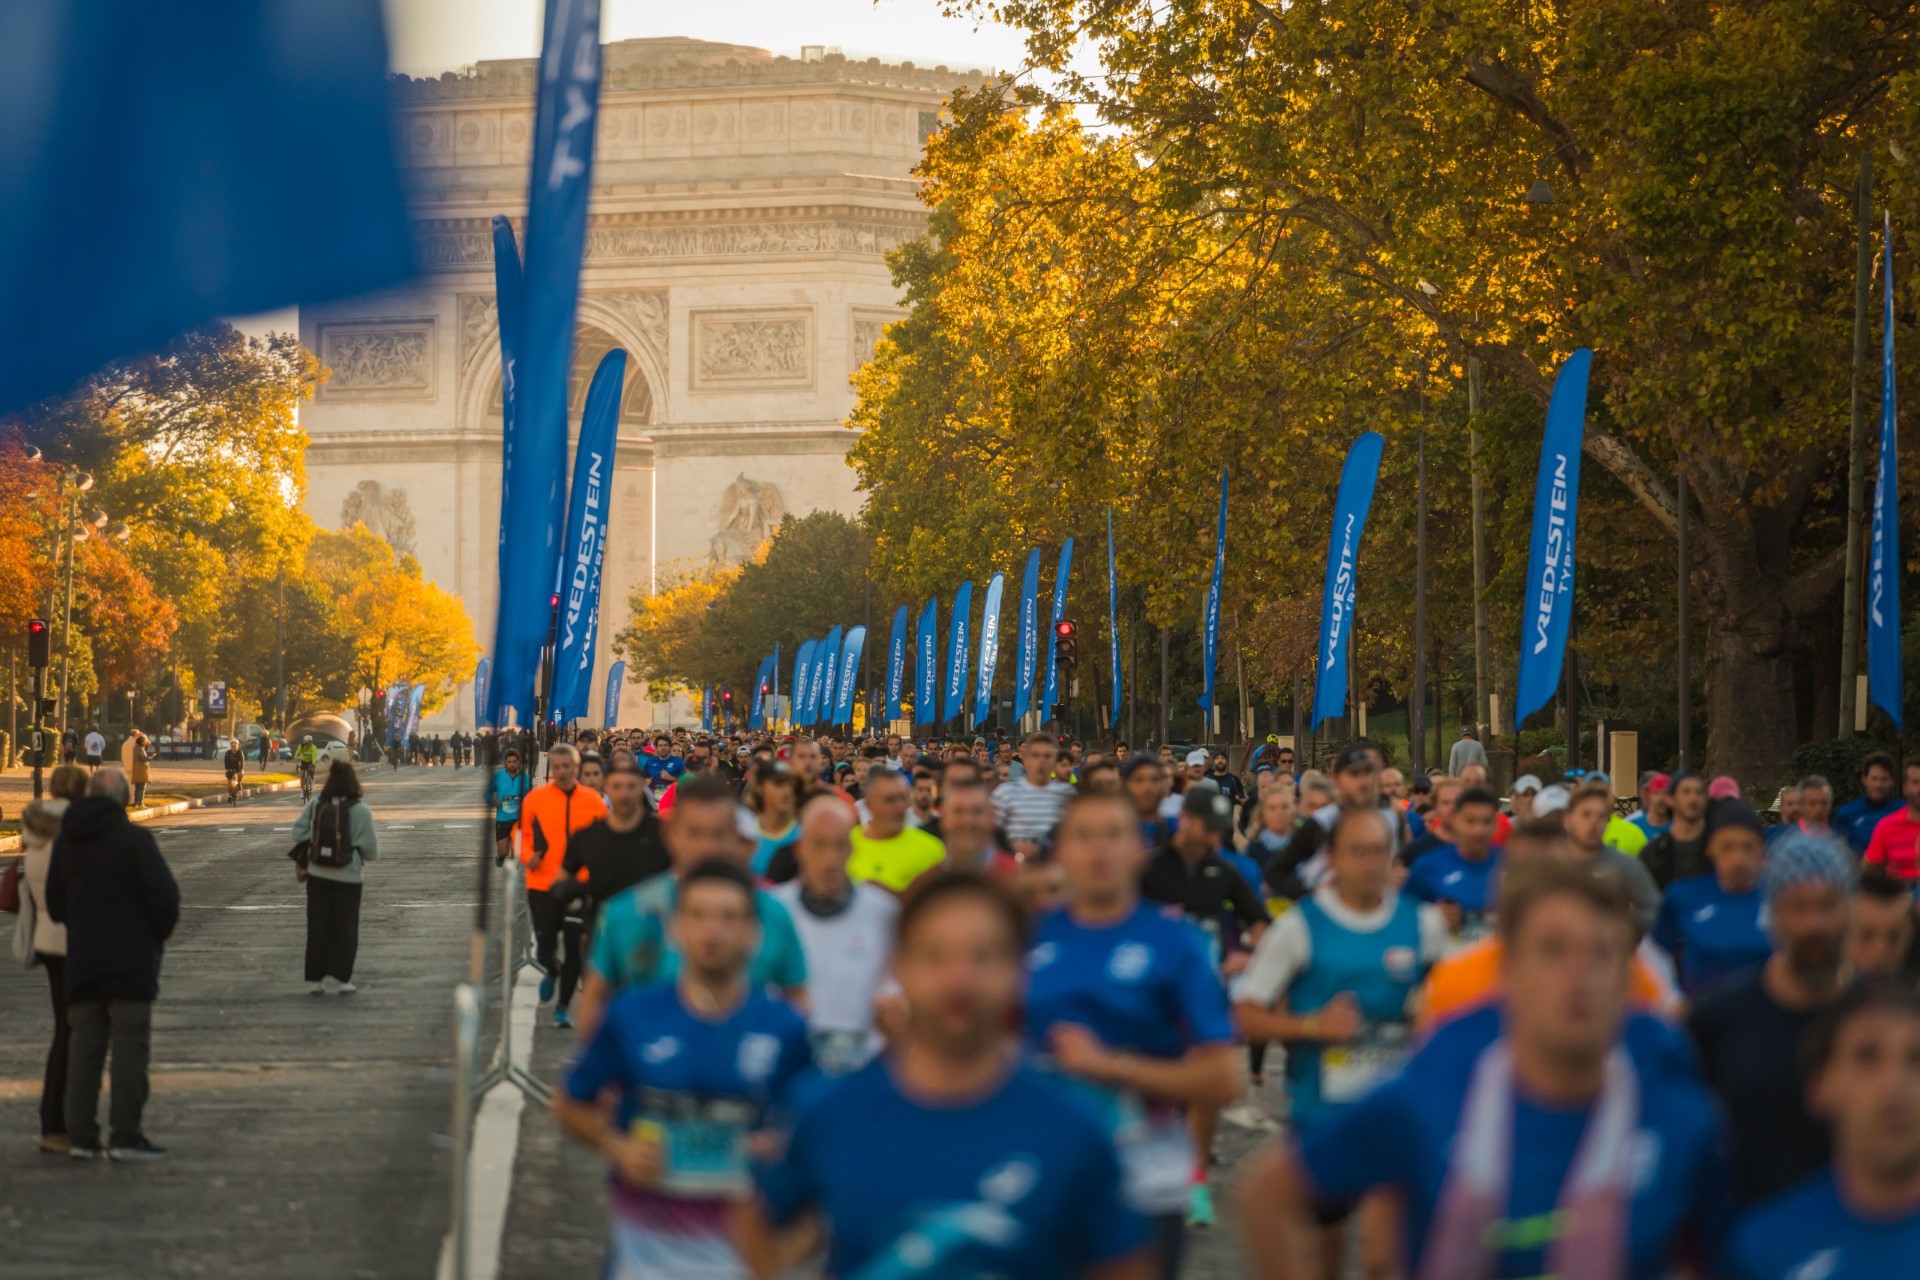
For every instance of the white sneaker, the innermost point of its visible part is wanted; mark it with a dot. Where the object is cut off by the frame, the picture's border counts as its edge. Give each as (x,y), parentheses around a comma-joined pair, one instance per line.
(315,989)
(347,988)
(330,985)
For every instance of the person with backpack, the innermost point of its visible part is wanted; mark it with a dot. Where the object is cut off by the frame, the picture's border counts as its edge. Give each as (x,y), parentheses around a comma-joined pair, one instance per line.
(334,840)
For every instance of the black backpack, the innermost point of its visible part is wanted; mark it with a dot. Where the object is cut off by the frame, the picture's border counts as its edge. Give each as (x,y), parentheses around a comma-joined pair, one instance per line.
(332,841)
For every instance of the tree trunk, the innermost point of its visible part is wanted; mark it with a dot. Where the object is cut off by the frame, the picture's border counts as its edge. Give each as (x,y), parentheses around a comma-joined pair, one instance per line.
(1750,703)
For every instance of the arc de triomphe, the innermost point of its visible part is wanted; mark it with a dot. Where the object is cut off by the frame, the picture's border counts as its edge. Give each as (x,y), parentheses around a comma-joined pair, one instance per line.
(741,207)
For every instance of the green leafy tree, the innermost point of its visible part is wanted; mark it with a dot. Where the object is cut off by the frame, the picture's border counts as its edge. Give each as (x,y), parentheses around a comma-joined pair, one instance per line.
(1301,221)
(713,626)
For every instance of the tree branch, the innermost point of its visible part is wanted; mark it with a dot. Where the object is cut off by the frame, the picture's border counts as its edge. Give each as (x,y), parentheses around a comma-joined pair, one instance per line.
(1811,590)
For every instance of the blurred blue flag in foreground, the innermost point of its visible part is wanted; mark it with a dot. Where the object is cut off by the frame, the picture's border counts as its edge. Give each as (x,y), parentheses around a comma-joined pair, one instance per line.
(169,164)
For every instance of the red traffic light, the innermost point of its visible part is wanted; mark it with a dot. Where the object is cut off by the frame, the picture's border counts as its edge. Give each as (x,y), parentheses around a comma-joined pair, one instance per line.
(1064,628)
(37,642)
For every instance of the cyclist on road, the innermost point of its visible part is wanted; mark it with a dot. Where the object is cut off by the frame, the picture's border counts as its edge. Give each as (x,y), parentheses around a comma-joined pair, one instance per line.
(236,763)
(306,755)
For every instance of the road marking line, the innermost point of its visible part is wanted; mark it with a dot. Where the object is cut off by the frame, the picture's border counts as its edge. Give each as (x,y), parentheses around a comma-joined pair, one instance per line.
(496,1144)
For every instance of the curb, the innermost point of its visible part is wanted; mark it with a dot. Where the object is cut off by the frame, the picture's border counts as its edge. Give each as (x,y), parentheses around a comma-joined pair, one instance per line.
(11,844)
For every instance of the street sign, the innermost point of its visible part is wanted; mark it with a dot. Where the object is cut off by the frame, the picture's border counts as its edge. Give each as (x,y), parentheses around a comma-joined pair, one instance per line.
(217,698)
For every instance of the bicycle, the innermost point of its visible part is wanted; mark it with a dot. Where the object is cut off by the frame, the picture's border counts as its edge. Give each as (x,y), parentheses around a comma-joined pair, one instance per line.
(233,788)
(306,780)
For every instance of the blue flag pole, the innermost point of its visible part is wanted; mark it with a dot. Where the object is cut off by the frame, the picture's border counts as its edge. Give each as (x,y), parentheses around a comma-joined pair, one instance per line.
(926,663)
(850,650)
(1338,595)
(1548,607)
(1027,659)
(1060,579)
(1885,678)
(954,706)
(585,546)
(802,677)
(989,649)
(1211,645)
(827,682)
(616,685)
(1113,628)
(896,663)
(565,108)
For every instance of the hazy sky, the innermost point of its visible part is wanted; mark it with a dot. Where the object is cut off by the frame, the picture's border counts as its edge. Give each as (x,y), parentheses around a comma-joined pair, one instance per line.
(430,36)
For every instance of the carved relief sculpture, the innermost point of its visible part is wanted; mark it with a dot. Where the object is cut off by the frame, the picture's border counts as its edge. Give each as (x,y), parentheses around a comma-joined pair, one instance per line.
(750,510)
(383,511)
(378,358)
(752,349)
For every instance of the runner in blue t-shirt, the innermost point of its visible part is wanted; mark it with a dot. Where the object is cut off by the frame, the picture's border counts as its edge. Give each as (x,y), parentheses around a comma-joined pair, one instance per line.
(1460,876)
(1123,1002)
(1713,925)
(1859,1219)
(697,1064)
(1553,1134)
(945,1159)
(509,787)
(1878,798)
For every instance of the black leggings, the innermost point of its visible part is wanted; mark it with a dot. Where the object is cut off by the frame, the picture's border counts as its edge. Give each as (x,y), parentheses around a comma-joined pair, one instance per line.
(333,928)
(551,926)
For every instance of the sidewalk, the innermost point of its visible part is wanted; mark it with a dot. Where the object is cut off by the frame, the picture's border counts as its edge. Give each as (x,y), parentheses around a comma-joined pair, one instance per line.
(172,781)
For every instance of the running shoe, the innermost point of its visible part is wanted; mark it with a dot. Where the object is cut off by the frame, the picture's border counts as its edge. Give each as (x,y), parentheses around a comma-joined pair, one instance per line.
(139,1151)
(56,1144)
(561,1018)
(546,988)
(1200,1205)
(347,988)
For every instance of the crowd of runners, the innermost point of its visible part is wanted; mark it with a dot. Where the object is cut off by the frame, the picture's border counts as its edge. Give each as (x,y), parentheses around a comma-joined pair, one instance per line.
(972,1009)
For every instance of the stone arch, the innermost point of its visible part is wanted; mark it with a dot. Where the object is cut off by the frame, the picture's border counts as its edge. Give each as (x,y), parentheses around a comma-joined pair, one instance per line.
(599,327)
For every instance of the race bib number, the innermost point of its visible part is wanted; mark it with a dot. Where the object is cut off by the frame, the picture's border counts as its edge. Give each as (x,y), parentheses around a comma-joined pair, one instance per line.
(839,1053)
(1349,1070)
(703,1143)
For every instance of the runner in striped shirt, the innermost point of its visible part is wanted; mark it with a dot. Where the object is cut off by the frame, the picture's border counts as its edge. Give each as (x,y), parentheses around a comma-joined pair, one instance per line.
(1027,813)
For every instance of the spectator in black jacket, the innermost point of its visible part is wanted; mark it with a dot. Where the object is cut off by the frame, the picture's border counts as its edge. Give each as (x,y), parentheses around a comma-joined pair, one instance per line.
(108,884)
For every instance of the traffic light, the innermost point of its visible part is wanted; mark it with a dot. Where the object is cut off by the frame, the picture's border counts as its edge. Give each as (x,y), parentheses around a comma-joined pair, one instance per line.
(37,647)
(726,696)
(48,706)
(1066,635)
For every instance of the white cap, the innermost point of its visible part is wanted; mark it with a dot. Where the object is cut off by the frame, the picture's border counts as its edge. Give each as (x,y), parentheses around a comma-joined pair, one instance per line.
(1550,800)
(1524,783)
(1197,756)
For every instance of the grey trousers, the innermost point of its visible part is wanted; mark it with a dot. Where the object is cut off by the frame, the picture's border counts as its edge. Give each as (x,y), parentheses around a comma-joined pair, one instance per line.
(125,1027)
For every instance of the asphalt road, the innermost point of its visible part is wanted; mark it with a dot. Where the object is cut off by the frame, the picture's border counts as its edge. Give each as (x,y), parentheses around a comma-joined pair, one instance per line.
(305,1133)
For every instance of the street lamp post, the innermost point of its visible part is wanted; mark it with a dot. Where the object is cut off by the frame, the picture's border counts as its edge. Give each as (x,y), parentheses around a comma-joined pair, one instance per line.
(79,531)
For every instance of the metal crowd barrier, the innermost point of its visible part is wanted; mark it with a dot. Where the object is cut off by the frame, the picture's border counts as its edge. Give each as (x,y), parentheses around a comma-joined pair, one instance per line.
(470,1082)
(514,956)
(466,1049)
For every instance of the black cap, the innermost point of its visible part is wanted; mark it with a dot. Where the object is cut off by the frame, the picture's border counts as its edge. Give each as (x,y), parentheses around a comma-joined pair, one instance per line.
(1353,757)
(1733,812)
(1210,805)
